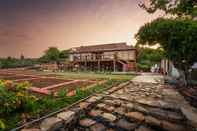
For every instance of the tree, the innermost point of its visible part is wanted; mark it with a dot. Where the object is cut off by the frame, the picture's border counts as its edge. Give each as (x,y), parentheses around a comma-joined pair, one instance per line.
(64,54)
(51,55)
(180,8)
(147,57)
(177,37)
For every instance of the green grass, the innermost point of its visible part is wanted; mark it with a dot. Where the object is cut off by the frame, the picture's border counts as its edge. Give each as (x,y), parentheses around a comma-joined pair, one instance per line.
(93,75)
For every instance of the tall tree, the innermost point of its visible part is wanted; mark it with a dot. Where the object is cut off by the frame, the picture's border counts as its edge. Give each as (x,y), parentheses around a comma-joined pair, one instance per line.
(64,54)
(147,57)
(176,35)
(51,55)
(180,8)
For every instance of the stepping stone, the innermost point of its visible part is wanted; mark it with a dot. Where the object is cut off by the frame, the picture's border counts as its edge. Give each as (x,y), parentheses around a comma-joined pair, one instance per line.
(95,113)
(84,105)
(169,105)
(109,108)
(101,105)
(31,129)
(136,116)
(130,106)
(109,117)
(172,127)
(92,99)
(66,116)
(141,109)
(51,124)
(98,127)
(167,115)
(143,128)
(152,121)
(149,102)
(87,122)
(124,124)
(116,103)
(174,116)
(120,110)
(191,114)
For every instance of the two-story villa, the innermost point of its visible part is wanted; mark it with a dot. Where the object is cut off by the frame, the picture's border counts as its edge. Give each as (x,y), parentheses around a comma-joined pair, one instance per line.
(105,57)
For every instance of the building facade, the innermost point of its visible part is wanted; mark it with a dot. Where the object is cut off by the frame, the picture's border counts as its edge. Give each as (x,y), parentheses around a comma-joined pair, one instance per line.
(105,57)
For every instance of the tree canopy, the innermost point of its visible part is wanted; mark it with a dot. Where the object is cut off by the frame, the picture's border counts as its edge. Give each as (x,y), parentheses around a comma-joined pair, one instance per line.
(180,8)
(53,54)
(177,37)
(147,57)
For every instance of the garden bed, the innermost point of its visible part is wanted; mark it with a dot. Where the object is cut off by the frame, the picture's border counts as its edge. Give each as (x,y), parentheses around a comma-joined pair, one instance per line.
(44,82)
(12,77)
(72,86)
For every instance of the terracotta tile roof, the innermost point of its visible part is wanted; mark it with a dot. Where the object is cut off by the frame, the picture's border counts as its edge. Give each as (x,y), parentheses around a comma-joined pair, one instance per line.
(102,47)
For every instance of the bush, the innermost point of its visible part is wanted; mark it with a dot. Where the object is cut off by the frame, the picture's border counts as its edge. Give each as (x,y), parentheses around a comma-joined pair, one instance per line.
(15,97)
(143,67)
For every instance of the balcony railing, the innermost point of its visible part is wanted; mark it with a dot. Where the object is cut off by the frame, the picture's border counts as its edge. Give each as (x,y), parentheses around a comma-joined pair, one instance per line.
(92,58)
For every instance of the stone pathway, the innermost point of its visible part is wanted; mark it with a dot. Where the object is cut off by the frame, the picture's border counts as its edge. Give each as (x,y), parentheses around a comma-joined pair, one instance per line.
(149,78)
(139,107)
(132,106)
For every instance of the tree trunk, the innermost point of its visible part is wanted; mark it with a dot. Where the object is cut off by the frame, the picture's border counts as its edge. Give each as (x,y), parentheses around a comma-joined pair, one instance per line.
(182,78)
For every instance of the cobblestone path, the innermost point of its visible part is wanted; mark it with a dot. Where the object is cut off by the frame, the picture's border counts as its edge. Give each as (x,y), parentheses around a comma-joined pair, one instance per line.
(139,107)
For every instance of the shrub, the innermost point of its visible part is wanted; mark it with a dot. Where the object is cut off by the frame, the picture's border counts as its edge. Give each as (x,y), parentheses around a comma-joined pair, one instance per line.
(16,99)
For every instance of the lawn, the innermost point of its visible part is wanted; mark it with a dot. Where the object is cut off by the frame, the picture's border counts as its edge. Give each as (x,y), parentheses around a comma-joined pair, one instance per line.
(92,75)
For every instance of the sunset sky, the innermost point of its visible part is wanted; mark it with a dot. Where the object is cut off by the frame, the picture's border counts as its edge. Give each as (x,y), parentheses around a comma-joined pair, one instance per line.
(29,27)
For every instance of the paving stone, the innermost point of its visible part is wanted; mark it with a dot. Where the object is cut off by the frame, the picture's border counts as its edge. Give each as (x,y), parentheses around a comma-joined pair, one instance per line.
(101,105)
(143,128)
(152,121)
(84,105)
(51,124)
(124,124)
(99,97)
(92,99)
(120,110)
(136,116)
(109,102)
(87,122)
(149,102)
(31,129)
(77,110)
(117,103)
(98,127)
(174,116)
(95,113)
(109,117)
(66,116)
(159,113)
(109,108)
(167,105)
(141,109)
(130,106)
(191,114)
(172,127)
(110,129)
